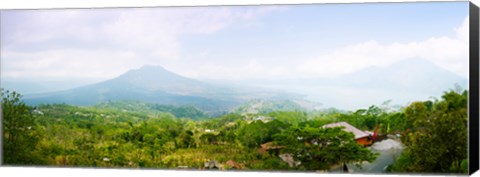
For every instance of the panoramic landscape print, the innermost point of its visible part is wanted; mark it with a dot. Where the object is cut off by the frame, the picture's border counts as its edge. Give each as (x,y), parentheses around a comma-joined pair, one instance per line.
(320,88)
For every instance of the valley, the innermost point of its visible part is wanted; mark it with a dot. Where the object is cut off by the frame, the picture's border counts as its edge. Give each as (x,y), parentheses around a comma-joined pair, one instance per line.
(153,118)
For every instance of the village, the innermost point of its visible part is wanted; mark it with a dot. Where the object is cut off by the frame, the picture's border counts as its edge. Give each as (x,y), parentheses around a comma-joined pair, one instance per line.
(372,140)
(388,147)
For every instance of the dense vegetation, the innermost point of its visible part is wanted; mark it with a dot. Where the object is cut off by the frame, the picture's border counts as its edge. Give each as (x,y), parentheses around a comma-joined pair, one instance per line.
(135,134)
(436,135)
(152,109)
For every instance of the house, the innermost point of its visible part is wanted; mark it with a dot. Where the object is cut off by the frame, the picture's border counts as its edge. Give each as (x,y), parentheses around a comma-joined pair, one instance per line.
(36,111)
(266,147)
(363,138)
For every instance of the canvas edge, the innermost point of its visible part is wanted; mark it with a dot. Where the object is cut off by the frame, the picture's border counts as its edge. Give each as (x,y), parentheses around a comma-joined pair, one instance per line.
(473,123)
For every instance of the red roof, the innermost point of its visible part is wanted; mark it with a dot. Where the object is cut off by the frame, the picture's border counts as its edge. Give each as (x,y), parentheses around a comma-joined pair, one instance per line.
(348,128)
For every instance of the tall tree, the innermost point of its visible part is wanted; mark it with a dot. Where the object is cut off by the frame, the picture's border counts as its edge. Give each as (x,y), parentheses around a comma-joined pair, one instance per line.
(320,148)
(438,138)
(18,130)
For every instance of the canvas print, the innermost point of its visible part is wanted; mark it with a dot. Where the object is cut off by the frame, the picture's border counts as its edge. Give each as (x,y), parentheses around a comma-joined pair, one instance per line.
(321,88)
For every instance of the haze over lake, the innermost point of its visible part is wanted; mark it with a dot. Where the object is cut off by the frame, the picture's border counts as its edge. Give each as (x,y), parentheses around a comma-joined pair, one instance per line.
(300,50)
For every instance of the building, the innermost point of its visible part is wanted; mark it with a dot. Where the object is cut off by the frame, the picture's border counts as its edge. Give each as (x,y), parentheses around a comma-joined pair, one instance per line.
(266,147)
(363,138)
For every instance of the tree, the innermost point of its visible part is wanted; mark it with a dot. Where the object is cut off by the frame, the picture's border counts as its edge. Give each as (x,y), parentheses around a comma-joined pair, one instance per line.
(19,138)
(186,139)
(396,121)
(438,138)
(289,117)
(253,134)
(320,148)
(257,132)
(208,138)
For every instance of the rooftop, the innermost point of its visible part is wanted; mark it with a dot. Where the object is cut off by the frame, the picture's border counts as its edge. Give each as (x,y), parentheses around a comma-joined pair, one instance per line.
(349,128)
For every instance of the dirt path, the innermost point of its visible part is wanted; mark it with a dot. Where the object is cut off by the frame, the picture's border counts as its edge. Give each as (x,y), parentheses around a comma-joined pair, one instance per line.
(388,150)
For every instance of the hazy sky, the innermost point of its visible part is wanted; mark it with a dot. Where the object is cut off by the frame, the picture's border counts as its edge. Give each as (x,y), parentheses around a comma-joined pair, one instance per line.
(232,42)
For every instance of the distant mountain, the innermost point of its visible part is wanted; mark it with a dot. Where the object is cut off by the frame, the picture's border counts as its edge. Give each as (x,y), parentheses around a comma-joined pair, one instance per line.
(402,82)
(149,83)
(157,85)
(156,78)
(416,75)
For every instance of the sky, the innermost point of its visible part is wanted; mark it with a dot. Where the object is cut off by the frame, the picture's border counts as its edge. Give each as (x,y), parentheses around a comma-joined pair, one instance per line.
(231,42)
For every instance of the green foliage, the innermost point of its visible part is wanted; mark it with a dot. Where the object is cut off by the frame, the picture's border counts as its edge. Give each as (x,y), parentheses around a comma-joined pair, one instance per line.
(136,134)
(19,137)
(397,122)
(253,134)
(402,164)
(153,109)
(270,164)
(459,166)
(208,138)
(256,133)
(437,140)
(289,117)
(367,118)
(258,106)
(320,148)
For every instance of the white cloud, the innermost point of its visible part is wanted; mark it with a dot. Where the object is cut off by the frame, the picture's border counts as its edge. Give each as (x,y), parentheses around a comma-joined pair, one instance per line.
(450,53)
(252,69)
(463,30)
(81,64)
(105,42)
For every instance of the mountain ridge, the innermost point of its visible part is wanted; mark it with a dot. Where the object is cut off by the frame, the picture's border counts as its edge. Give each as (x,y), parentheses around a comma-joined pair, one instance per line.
(406,80)
(409,74)
(148,83)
